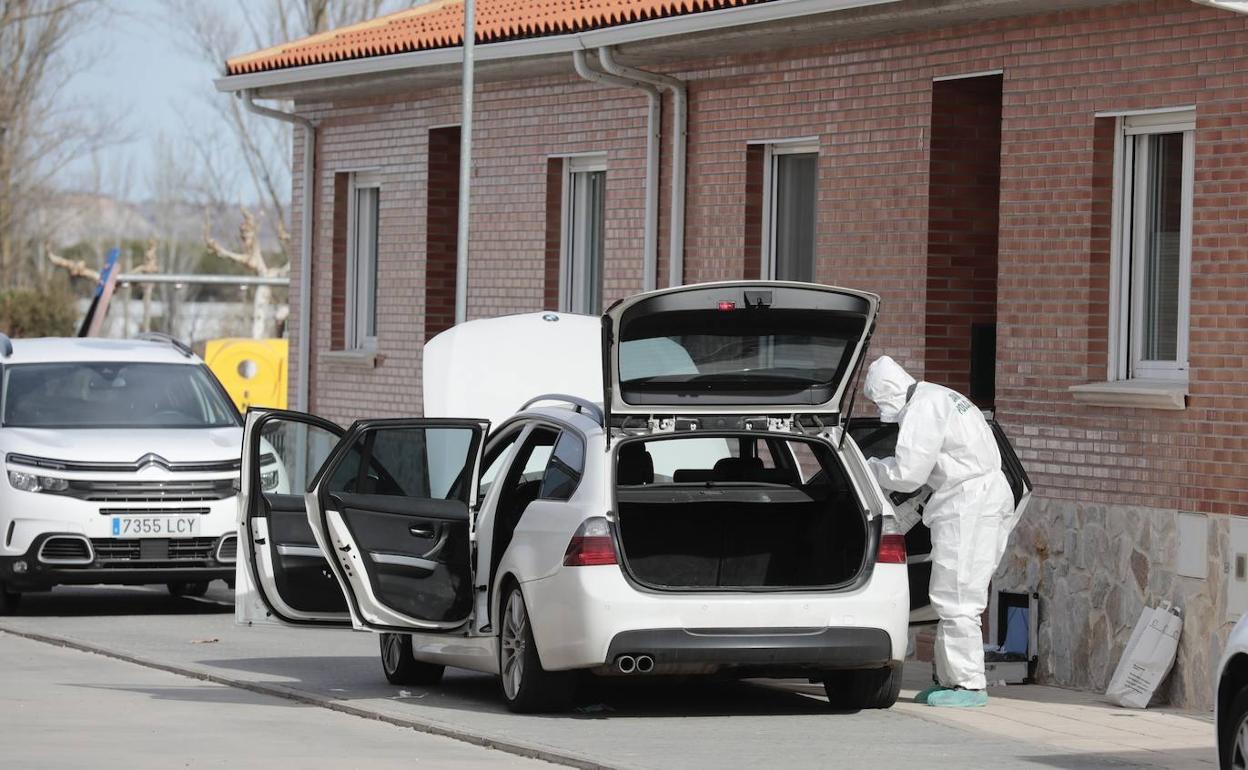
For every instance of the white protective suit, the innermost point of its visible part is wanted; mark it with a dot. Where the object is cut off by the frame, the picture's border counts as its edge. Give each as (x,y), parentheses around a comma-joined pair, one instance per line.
(945,443)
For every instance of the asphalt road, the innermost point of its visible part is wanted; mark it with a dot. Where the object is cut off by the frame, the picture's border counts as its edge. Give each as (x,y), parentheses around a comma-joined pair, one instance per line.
(68,709)
(651,725)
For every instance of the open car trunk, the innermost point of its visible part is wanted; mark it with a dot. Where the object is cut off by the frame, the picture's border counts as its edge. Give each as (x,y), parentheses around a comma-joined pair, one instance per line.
(738,512)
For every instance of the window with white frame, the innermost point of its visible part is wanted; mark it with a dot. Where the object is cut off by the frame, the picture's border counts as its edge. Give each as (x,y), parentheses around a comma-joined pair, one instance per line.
(362,219)
(790,184)
(1153,246)
(581,245)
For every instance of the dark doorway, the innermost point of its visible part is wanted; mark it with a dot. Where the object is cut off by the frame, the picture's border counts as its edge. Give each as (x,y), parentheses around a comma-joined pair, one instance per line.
(964,197)
(441,229)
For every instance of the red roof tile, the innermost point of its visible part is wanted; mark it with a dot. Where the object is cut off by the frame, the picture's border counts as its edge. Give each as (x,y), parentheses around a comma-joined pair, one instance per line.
(440,24)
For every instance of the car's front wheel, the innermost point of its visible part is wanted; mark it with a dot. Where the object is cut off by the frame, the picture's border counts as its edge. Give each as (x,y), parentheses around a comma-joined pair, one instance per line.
(873,688)
(1233,733)
(9,600)
(188,588)
(401,666)
(527,687)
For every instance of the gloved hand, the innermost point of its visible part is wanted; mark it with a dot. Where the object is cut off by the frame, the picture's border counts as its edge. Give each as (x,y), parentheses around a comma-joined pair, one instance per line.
(900,497)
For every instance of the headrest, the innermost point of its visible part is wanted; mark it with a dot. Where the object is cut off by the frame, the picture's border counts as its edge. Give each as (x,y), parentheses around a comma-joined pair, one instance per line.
(737,468)
(636,466)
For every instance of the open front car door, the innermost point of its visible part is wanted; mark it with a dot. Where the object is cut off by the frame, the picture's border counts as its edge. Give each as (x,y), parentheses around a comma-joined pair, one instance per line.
(282,575)
(879,439)
(393,507)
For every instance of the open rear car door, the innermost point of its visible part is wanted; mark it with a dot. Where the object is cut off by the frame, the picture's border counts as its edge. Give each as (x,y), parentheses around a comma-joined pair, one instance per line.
(392,507)
(282,576)
(879,439)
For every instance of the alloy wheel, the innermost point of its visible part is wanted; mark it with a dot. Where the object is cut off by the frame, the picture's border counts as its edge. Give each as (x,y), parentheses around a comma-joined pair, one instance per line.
(1239,751)
(515,627)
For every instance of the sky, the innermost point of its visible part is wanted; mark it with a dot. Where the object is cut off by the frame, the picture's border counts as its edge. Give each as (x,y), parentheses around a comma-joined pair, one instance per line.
(139,69)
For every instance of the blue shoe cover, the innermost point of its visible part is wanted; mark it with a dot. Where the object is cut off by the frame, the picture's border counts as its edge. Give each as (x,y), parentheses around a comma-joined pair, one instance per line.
(924,694)
(958,699)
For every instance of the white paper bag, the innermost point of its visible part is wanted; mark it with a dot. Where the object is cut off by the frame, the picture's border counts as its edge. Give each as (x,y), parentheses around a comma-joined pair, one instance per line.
(1148,656)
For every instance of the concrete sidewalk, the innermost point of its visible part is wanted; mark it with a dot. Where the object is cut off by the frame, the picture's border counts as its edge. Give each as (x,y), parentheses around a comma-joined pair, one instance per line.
(1084,724)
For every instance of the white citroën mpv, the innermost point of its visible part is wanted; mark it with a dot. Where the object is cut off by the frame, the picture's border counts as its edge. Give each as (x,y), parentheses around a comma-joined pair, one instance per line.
(684,503)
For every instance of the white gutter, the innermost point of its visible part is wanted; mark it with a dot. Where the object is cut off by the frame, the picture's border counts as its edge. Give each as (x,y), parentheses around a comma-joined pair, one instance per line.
(705,21)
(305,239)
(680,138)
(650,258)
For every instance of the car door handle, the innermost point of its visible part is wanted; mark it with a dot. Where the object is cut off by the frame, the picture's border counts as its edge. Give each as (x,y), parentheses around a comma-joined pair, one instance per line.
(424,566)
(307,551)
(421,532)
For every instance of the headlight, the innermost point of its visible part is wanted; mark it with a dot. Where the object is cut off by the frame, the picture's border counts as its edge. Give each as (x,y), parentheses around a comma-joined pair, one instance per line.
(268,481)
(29,482)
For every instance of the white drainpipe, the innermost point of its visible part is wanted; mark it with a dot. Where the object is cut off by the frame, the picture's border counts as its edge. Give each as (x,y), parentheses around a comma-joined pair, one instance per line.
(680,129)
(650,254)
(305,239)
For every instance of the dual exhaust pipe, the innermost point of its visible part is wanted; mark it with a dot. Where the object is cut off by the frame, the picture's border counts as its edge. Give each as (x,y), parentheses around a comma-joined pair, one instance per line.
(634,664)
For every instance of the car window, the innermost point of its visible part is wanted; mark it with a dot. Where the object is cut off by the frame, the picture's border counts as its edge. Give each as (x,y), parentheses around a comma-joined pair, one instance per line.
(681,454)
(291,452)
(114,395)
(563,472)
(493,463)
(404,462)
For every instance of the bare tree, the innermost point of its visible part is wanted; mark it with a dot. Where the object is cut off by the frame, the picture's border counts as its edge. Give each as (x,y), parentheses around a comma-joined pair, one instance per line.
(265,145)
(38,134)
(251,256)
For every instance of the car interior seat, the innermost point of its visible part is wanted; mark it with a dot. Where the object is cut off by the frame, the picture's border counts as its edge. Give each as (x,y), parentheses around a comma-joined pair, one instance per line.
(635,466)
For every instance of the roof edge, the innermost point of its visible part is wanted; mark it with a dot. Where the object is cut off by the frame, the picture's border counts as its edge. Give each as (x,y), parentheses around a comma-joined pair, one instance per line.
(540,46)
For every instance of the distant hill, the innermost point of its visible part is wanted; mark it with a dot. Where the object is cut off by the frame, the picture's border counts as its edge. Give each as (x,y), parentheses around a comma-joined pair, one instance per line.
(74,217)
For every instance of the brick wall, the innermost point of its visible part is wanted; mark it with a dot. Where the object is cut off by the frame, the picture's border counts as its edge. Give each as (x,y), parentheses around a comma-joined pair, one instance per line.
(869,101)
(964,183)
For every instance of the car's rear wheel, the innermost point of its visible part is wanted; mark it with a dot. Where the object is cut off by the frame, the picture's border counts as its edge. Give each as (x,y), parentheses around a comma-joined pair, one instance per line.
(188,587)
(401,666)
(1233,733)
(9,600)
(873,688)
(526,686)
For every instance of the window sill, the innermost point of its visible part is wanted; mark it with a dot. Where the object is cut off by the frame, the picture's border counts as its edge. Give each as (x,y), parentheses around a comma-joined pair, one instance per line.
(1141,394)
(361,358)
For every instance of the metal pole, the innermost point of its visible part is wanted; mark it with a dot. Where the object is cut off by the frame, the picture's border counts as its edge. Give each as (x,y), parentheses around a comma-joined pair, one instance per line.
(465,167)
(203,280)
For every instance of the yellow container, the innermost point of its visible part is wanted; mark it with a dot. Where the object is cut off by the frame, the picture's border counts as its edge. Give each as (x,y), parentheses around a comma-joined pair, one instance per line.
(253,372)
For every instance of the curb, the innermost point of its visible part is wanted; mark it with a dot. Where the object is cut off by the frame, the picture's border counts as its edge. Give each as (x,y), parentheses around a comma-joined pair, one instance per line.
(422,726)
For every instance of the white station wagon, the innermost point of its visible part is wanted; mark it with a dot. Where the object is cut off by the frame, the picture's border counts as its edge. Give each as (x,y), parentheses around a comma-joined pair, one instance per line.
(686,502)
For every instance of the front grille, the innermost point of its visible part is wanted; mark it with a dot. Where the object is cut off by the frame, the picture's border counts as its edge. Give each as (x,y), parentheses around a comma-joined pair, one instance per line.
(153,549)
(132,511)
(151,491)
(210,466)
(59,550)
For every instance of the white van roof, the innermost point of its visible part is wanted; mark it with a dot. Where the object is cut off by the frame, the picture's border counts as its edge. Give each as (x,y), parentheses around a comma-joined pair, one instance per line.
(491,367)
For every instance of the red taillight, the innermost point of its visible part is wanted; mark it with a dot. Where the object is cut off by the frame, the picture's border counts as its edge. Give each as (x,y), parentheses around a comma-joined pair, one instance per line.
(892,550)
(589,551)
(725,304)
(591,545)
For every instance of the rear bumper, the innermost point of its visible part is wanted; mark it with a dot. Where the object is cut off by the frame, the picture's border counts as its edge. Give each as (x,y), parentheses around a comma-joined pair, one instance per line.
(28,572)
(765,651)
(584,617)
